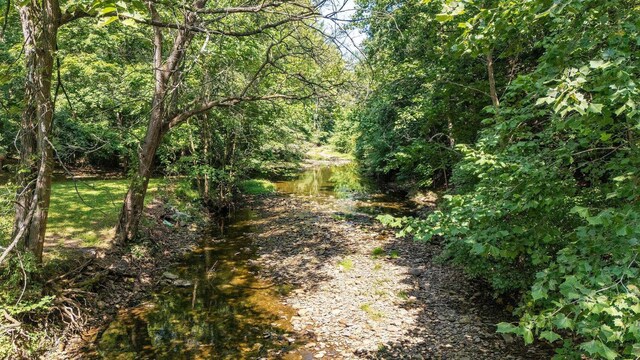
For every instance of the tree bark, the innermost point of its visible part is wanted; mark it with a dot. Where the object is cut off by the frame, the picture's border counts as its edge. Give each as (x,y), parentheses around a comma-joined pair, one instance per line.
(27,172)
(492,80)
(40,24)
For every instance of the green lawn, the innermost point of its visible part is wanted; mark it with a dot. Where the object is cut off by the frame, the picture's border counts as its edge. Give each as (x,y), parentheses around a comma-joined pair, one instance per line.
(85,212)
(257,187)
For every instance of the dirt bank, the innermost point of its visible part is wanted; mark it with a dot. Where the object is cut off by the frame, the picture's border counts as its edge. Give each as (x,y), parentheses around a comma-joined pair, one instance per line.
(101,283)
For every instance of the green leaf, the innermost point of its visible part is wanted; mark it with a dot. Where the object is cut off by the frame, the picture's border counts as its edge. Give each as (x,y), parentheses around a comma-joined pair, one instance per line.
(561,321)
(528,336)
(597,347)
(591,347)
(129,22)
(598,64)
(538,292)
(507,328)
(444,17)
(107,21)
(106,10)
(583,212)
(550,336)
(595,108)
(478,249)
(605,136)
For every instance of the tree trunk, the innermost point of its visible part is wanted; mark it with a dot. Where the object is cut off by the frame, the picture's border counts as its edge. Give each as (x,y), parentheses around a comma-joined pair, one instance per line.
(166,75)
(134,201)
(492,80)
(40,29)
(27,171)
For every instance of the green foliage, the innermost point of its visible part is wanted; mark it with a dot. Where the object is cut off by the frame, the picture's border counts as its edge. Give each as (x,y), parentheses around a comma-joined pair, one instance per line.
(377,252)
(21,297)
(425,96)
(544,203)
(346,264)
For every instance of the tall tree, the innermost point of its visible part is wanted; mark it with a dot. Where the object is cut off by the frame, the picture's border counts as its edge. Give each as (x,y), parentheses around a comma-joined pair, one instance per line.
(170,107)
(40,22)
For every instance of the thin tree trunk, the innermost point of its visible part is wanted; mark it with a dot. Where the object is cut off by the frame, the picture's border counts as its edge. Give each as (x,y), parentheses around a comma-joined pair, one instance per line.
(134,201)
(492,80)
(164,73)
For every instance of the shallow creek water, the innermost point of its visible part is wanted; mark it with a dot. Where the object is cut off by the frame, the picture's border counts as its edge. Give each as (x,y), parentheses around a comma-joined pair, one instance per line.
(227,312)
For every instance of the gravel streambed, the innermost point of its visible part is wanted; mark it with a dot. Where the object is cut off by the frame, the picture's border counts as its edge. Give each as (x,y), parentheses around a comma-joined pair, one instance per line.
(360,292)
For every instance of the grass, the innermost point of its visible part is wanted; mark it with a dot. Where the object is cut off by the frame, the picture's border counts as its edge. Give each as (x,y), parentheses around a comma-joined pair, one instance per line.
(326,152)
(87,211)
(346,264)
(377,252)
(257,187)
(372,313)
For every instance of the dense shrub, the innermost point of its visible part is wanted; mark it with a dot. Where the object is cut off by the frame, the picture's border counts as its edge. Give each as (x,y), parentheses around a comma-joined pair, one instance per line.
(545,203)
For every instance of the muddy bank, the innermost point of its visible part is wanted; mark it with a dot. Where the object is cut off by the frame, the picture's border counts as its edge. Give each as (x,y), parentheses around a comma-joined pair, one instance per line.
(102,283)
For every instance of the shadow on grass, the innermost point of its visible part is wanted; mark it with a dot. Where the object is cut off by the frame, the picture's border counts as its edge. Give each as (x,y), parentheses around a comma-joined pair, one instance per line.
(84,213)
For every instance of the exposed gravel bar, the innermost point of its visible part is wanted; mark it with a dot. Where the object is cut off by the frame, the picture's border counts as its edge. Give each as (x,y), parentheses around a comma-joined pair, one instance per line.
(353,301)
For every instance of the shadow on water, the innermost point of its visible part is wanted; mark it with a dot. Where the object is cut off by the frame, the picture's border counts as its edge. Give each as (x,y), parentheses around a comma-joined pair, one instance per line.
(223,310)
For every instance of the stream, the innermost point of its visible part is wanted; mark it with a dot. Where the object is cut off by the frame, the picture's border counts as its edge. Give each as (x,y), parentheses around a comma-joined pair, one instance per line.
(225,310)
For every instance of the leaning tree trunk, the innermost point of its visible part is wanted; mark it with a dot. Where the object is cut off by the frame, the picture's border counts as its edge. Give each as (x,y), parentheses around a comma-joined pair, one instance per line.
(165,72)
(40,28)
(134,201)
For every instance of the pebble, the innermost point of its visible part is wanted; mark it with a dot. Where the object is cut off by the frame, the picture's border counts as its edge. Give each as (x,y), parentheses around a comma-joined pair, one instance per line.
(407,307)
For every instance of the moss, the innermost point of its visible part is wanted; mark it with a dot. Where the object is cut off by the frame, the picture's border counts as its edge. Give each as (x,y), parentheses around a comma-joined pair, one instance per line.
(377,252)
(346,264)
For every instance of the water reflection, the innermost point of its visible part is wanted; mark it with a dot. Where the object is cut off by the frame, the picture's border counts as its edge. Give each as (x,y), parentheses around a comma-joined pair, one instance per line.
(353,192)
(228,313)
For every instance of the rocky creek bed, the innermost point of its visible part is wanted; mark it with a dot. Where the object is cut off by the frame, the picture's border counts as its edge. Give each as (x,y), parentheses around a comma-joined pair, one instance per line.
(360,292)
(306,273)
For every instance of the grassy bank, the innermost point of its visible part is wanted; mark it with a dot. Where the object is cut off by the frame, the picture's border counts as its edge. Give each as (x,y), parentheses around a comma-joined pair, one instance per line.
(84,213)
(257,187)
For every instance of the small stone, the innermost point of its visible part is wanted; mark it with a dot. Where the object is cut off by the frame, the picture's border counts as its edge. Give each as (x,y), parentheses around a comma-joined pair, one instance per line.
(170,276)
(182,283)
(465,320)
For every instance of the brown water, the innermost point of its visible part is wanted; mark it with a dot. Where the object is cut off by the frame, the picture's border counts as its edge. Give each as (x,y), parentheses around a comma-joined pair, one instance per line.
(228,312)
